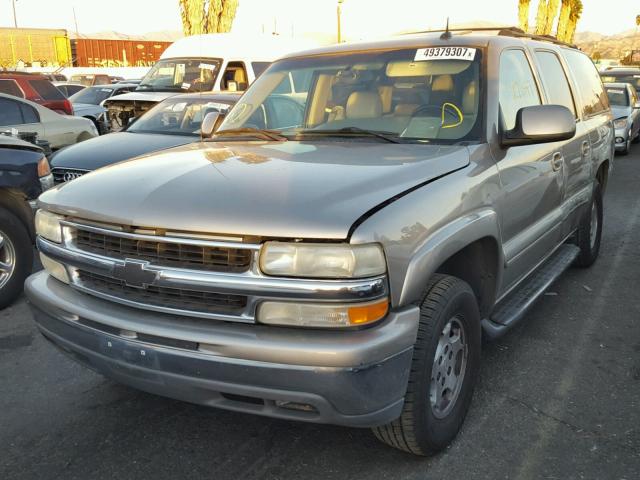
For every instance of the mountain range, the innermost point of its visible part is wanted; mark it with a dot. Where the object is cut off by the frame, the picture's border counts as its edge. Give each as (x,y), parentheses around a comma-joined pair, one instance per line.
(609,46)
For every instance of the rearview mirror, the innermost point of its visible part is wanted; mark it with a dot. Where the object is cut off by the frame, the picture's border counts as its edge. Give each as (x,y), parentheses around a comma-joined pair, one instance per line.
(541,124)
(210,123)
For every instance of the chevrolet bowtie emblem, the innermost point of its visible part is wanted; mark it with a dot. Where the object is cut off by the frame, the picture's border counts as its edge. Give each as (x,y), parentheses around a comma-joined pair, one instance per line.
(135,274)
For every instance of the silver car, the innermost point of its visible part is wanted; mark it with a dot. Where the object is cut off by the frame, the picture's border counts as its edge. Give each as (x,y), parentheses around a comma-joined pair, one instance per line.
(335,251)
(625,107)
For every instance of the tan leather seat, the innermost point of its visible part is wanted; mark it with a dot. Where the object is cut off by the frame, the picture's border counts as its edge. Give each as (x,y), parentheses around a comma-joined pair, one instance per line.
(405,109)
(470,99)
(441,90)
(363,104)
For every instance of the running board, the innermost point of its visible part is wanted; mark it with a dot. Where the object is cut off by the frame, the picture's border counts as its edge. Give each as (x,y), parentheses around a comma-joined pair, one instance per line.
(513,308)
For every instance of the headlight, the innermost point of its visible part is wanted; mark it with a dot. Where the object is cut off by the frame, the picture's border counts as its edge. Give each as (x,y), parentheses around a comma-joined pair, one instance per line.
(48,226)
(321,315)
(620,123)
(322,260)
(55,269)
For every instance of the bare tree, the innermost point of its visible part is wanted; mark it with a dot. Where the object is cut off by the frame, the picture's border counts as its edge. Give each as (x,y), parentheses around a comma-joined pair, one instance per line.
(207,16)
(523,14)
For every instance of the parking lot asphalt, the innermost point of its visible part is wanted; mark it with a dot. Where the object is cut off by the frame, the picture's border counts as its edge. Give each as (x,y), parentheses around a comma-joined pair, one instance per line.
(558,398)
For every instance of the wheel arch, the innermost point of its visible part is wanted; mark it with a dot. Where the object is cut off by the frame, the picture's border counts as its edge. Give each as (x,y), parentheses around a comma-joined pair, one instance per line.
(14,201)
(602,174)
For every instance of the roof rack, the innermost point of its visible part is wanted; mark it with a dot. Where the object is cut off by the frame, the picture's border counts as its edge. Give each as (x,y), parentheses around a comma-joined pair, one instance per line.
(506,32)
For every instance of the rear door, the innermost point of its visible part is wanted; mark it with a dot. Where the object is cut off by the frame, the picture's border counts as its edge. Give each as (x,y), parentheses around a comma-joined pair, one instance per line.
(21,116)
(532,177)
(575,152)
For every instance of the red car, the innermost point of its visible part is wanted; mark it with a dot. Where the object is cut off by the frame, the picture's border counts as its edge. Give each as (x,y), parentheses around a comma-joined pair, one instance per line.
(36,88)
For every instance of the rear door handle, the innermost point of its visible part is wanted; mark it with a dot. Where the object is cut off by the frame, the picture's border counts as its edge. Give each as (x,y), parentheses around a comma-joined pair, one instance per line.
(585,148)
(556,161)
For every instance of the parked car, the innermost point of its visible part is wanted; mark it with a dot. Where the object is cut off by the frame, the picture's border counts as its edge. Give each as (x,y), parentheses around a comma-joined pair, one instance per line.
(625,106)
(35,88)
(630,75)
(69,89)
(24,175)
(55,77)
(116,79)
(175,121)
(134,81)
(339,262)
(88,103)
(58,130)
(200,63)
(90,79)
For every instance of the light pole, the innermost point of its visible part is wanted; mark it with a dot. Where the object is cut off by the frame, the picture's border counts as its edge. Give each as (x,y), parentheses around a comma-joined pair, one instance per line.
(15,19)
(339,11)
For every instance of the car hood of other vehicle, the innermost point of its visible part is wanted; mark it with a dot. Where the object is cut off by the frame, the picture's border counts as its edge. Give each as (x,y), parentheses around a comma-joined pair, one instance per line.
(619,112)
(114,147)
(81,109)
(292,189)
(142,96)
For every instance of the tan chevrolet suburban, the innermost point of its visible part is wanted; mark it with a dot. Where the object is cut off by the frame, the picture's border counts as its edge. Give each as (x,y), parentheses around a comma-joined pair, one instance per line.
(335,254)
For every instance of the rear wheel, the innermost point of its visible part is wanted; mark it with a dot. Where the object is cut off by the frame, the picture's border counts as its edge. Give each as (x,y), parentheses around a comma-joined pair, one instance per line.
(443,374)
(16,256)
(589,233)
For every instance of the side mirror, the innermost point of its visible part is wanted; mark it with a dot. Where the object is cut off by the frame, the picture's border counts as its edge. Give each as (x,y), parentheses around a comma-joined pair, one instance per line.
(541,124)
(210,123)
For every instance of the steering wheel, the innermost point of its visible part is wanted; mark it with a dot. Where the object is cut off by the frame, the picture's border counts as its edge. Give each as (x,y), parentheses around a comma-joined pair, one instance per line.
(440,112)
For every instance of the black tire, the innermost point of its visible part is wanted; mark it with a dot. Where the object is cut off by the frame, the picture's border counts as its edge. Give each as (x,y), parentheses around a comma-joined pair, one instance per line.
(627,146)
(590,248)
(15,233)
(637,139)
(418,430)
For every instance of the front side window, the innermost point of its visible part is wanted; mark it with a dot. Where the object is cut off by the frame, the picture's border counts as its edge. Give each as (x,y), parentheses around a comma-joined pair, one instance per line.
(587,79)
(555,80)
(517,86)
(423,95)
(181,75)
(177,116)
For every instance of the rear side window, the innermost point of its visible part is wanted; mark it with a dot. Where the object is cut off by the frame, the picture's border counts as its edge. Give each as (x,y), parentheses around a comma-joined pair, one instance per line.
(10,87)
(9,112)
(587,79)
(46,90)
(517,86)
(29,114)
(555,80)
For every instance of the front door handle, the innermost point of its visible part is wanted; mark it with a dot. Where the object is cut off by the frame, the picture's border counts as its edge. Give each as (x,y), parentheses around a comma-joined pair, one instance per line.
(585,148)
(556,161)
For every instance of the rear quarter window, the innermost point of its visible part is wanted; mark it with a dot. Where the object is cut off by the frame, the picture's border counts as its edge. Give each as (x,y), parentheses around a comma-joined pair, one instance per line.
(10,87)
(46,90)
(587,79)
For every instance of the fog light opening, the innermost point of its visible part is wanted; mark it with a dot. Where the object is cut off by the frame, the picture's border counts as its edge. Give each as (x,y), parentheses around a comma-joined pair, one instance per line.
(301,407)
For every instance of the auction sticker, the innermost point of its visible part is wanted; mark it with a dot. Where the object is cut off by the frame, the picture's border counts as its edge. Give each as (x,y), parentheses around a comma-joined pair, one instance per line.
(445,53)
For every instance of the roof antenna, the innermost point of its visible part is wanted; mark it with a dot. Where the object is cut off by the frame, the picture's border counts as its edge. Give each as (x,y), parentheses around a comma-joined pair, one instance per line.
(447,34)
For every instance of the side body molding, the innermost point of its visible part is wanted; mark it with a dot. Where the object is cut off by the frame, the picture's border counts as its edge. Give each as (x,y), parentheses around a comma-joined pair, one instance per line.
(444,243)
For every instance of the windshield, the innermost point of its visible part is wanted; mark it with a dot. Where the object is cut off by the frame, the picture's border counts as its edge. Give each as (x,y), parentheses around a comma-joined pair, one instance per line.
(618,97)
(626,78)
(92,95)
(426,95)
(181,74)
(177,116)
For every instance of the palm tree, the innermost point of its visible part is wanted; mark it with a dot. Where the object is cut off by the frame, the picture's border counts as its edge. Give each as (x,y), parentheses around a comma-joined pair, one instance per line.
(541,17)
(207,16)
(552,11)
(574,16)
(563,20)
(523,14)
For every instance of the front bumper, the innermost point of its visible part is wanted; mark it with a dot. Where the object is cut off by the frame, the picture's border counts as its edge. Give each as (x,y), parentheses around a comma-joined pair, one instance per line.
(353,378)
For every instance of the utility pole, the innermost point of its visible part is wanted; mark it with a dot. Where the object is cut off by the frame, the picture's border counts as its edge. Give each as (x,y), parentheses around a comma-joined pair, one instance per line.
(15,19)
(75,21)
(339,12)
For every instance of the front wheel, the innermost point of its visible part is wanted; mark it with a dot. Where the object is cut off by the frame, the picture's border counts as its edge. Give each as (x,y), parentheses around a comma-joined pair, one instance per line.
(16,256)
(589,233)
(445,367)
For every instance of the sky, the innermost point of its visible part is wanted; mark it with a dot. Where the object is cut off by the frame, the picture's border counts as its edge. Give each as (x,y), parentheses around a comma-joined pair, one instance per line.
(361,18)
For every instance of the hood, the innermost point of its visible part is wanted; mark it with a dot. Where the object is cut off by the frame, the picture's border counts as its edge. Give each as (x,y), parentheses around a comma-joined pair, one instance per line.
(154,97)
(619,112)
(291,189)
(81,109)
(114,147)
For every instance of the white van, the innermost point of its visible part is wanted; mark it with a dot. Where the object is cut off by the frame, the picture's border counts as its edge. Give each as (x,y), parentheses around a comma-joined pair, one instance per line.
(200,63)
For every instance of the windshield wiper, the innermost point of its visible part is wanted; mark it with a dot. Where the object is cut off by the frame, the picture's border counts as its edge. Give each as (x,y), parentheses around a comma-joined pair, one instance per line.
(270,135)
(387,136)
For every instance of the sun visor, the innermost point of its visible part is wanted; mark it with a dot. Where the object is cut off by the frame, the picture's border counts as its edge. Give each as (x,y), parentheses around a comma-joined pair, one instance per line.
(425,68)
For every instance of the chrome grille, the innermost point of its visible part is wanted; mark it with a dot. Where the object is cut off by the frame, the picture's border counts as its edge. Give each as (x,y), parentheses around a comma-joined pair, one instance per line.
(170,254)
(61,175)
(163,297)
